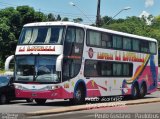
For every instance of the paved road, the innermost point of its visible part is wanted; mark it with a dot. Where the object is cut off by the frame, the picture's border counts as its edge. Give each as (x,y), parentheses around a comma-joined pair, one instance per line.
(21,106)
(93,114)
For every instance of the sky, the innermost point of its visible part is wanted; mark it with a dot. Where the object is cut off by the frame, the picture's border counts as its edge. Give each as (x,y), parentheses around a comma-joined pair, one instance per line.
(89,7)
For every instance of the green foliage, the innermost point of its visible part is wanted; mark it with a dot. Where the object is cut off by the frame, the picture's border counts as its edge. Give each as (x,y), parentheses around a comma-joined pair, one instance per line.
(50,17)
(59,18)
(65,19)
(78,20)
(136,25)
(13,19)
(11,23)
(2,71)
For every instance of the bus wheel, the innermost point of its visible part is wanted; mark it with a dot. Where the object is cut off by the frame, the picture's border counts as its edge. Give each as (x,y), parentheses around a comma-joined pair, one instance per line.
(79,96)
(3,99)
(135,91)
(40,101)
(29,100)
(143,90)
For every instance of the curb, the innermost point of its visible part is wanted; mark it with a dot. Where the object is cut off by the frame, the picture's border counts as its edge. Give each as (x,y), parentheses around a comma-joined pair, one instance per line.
(92,106)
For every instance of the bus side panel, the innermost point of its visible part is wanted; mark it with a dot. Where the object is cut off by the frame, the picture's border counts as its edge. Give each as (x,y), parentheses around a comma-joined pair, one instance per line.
(147,73)
(92,89)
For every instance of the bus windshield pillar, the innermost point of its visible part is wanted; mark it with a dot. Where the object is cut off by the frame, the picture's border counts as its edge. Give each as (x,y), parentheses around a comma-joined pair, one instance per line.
(59,63)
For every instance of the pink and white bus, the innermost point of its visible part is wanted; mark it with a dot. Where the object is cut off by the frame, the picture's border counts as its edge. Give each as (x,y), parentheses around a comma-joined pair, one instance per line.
(65,60)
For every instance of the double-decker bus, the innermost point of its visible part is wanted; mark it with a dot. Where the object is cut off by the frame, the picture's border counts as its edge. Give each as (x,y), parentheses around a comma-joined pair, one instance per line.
(65,60)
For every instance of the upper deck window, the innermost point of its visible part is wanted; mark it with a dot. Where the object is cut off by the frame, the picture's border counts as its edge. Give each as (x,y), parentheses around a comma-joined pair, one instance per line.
(136,45)
(127,43)
(145,46)
(106,40)
(94,38)
(42,35)
(117,42)
(152,47)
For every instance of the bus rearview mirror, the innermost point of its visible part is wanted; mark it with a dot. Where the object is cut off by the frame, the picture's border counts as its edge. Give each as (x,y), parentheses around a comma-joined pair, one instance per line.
(7,62)
(59,63)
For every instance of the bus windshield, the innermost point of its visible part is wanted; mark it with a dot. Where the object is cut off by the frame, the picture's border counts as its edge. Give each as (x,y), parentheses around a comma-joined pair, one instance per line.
(36,69)
(42,35)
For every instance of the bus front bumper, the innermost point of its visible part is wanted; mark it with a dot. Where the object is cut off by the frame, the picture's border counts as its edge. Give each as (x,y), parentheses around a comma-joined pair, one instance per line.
(46,94)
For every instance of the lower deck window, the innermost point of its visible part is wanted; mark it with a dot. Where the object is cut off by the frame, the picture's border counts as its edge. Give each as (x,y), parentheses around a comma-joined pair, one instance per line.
(96,68)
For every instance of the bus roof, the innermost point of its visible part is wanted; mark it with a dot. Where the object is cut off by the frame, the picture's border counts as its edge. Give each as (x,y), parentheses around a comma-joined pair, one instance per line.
(64,23)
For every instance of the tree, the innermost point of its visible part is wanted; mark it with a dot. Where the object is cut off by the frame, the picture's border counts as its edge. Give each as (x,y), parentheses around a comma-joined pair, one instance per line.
(39,16)
(58,18)
(105,19)
(50,17)
(13,19)
(65,19)
(78,20)
(133,25)
(27,14)
(156,22)
(11,23)
(7,40)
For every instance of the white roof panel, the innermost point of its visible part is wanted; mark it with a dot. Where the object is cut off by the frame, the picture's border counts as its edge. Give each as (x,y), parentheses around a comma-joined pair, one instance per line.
(88,27)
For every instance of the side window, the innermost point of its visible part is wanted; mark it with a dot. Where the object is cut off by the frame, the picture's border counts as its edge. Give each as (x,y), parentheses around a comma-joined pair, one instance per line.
(73,49)
(106,40)
(145,46)
(78,45)
(79,35)
(152,47)
(91,68)
(106,69)
(127,43)
(74,42)
(70,68)
(127,69)
(136,45)
(70,35)
(97,68)
(93,38)
(117,69)
(69,41)
(117,42)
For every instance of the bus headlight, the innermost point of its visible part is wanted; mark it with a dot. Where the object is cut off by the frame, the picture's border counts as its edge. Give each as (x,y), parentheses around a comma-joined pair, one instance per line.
(18,87)
(52,87)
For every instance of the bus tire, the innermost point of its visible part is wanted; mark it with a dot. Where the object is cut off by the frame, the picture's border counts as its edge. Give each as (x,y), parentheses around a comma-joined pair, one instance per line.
(29,100)
(135,91)
(40,101)
(79,96)
(143,90)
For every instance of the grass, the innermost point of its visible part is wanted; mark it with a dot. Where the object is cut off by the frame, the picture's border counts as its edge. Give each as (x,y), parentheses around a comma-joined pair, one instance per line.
(2,71)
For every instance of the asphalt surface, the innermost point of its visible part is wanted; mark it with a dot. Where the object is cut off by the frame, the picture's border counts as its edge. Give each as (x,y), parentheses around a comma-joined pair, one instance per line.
(21,106)
(150,108)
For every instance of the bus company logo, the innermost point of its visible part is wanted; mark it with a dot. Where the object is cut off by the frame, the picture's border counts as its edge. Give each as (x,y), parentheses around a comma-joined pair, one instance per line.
(90,53)
(41,48)
(118,56)
(36,48)
(108,56)
(21,49)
